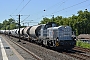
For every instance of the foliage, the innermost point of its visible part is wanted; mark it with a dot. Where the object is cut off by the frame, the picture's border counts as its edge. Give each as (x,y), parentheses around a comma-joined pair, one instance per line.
(8,24)
(83,44)
(79,23)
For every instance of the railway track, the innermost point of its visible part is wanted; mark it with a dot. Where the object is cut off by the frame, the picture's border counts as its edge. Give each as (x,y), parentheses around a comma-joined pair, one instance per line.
(82,49)
(44,53)
(74,55)
(34,56)
(77,53)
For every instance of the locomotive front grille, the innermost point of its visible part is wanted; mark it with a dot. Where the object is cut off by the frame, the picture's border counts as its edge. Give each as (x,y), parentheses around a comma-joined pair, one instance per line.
(67,42)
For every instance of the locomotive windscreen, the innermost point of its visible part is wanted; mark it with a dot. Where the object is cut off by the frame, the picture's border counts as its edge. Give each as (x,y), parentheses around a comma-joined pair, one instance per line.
(51,24)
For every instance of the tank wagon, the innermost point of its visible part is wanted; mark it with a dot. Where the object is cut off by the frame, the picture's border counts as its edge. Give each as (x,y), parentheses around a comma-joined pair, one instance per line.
(21,32)
(25,32)
(2,31)
(13,32)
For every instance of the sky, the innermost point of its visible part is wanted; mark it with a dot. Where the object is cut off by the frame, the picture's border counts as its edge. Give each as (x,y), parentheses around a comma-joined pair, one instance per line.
(33,11)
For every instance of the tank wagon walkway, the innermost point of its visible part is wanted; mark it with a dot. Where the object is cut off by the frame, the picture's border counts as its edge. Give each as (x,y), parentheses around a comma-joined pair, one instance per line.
(7,52)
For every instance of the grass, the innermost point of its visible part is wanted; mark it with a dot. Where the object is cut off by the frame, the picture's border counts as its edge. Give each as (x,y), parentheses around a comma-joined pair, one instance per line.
(83,44)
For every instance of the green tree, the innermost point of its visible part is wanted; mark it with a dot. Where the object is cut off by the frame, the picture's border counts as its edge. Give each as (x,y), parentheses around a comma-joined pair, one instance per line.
(1,26)
(45,20)
(79,23)
(9,24)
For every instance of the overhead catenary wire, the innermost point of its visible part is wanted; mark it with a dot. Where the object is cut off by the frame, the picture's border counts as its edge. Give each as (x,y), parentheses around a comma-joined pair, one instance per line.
(58,10)
(51,7)
(21,10)
(17,7)
(25,19)
(71,6)
(62,4)
(65,8)
(11,16)
(24,6)
(55,5)
(39,13)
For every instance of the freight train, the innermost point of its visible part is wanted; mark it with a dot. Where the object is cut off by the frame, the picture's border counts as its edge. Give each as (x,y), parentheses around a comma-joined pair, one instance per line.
(48,34)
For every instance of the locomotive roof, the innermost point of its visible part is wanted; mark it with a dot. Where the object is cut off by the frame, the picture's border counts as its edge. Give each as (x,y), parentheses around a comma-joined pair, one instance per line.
(58,27)
(49,23)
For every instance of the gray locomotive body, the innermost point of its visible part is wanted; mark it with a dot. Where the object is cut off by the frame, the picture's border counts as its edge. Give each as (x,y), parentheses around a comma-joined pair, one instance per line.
(61,36)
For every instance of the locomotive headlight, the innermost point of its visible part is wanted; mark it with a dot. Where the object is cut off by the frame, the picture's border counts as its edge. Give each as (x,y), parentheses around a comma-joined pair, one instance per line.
(57,39)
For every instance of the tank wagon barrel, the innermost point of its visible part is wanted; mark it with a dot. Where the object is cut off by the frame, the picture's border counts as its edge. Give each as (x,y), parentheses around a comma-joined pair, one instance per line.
(34,31)
(26,29)
(25,32)
(21,31)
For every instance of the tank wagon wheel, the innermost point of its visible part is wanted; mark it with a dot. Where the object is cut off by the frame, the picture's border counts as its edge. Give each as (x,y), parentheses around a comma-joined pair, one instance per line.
(42,44)
(30,40)
(48,44)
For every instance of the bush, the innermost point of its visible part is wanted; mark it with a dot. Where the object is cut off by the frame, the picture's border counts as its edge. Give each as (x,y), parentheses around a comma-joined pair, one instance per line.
(82,44)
